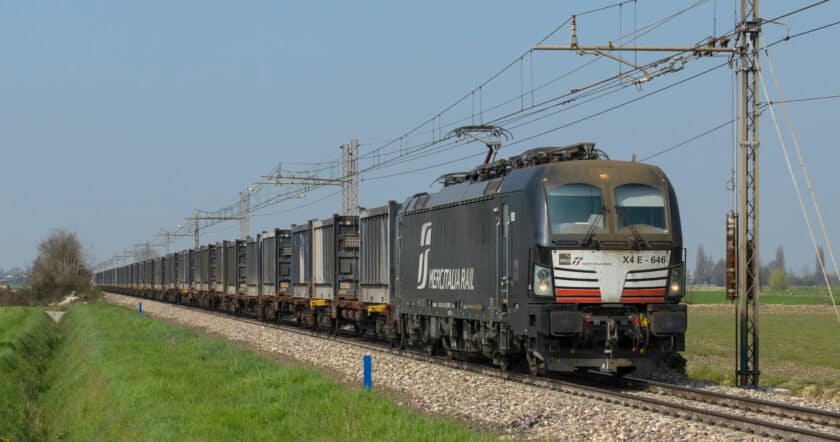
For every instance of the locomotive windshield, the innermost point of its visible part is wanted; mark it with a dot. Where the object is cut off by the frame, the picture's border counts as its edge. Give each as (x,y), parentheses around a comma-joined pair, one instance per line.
(640,205)
(575,208)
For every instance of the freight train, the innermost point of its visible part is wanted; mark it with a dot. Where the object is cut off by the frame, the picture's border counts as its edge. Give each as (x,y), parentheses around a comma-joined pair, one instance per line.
(558,259)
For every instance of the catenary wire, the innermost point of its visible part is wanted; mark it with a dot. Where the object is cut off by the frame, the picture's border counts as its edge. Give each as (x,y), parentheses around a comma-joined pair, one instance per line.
(331,165)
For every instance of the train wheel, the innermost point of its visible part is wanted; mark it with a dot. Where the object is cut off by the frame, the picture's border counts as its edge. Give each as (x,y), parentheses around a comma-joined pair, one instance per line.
(447,347)
(430,346)
(535,365)
(402,332)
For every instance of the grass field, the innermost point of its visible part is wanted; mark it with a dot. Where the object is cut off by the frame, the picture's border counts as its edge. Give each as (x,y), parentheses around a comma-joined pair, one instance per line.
(118,375)
(800,347)
(791,296)
(26,337)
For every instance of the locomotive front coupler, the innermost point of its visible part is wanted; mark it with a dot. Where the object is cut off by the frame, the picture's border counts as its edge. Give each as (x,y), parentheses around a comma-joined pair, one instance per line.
(610,364)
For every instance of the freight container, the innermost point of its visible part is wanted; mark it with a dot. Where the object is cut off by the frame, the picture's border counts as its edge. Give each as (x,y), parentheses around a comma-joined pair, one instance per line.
(234,266)
(252,270)
(171,271)
(185,269)
(193,269)
(159,277)
(218,268)
(276,262)
(335,255)
(302,260)
(377,271)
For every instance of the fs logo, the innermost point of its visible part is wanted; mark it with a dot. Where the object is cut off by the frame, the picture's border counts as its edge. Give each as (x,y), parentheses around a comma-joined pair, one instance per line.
(423,265)
(565,259)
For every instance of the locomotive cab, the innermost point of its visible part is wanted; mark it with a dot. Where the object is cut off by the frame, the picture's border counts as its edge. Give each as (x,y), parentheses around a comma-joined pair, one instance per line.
(608,268)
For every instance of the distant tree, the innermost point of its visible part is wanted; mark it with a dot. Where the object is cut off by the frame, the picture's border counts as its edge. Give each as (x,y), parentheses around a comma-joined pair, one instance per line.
(717,272)
(700,266)
(779,279)
(60,266)
(780,258)
(819,258)
(766,270)
(804,277)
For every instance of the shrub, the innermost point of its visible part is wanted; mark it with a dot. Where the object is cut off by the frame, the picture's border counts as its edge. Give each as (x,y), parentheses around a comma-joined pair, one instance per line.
(779,279)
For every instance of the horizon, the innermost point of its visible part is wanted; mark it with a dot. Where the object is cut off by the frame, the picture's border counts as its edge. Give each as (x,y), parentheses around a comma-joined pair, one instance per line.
(120,120)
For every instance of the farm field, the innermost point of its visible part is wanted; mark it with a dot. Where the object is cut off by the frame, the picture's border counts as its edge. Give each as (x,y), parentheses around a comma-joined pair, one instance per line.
(119,375)
(26,338)
(791,296)
(800,347)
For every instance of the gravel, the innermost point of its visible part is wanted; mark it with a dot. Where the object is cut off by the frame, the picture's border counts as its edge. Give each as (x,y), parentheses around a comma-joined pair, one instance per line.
(765,393)
(505,408)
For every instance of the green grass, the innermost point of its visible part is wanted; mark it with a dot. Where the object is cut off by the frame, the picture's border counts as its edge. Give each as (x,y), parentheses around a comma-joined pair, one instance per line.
(26,338)
(800,348)
(118,375)
(791,296)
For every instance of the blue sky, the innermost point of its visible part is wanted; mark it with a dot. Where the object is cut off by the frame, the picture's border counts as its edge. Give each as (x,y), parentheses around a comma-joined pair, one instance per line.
(117,119)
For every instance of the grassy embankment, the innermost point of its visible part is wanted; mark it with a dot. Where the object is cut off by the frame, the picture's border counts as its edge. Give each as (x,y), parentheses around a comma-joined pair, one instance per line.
(26,337)
(800,347)
(118,375)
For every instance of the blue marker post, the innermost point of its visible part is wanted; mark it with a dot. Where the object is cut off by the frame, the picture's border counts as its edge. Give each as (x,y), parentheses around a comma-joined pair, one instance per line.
(140,308)
(368,382)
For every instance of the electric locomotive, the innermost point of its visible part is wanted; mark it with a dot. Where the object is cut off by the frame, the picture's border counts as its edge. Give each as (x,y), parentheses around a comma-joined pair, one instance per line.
(559,257)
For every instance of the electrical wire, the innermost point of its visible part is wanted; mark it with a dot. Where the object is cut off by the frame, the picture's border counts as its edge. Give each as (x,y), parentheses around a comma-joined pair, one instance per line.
(414,155)
(646,29)
(803,33)
(420,169)
(795,11)
(802,100)
(620,105)
(301,206)
(535,109)
(793,178)
(689,140)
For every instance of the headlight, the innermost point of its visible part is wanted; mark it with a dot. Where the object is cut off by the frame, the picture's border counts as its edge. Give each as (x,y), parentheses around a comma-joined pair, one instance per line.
(677,282)
(675,287)
(542,281)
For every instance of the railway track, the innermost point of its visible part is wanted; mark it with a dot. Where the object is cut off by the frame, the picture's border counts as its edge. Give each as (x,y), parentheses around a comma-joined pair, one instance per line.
(788,411)
(754,416)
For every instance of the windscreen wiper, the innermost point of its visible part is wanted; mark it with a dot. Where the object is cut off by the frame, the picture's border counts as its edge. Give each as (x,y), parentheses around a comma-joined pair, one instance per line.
(590,232)
(630,226)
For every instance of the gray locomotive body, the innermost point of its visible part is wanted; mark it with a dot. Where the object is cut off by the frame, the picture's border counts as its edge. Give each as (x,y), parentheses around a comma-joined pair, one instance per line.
(572,264)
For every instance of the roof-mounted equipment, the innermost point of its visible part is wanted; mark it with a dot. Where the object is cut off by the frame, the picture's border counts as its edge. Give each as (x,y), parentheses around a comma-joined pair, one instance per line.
(532,157)
(491,136)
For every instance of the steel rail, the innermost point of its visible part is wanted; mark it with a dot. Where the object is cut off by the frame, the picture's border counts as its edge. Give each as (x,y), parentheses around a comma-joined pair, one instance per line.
(758,427)
(780,409)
